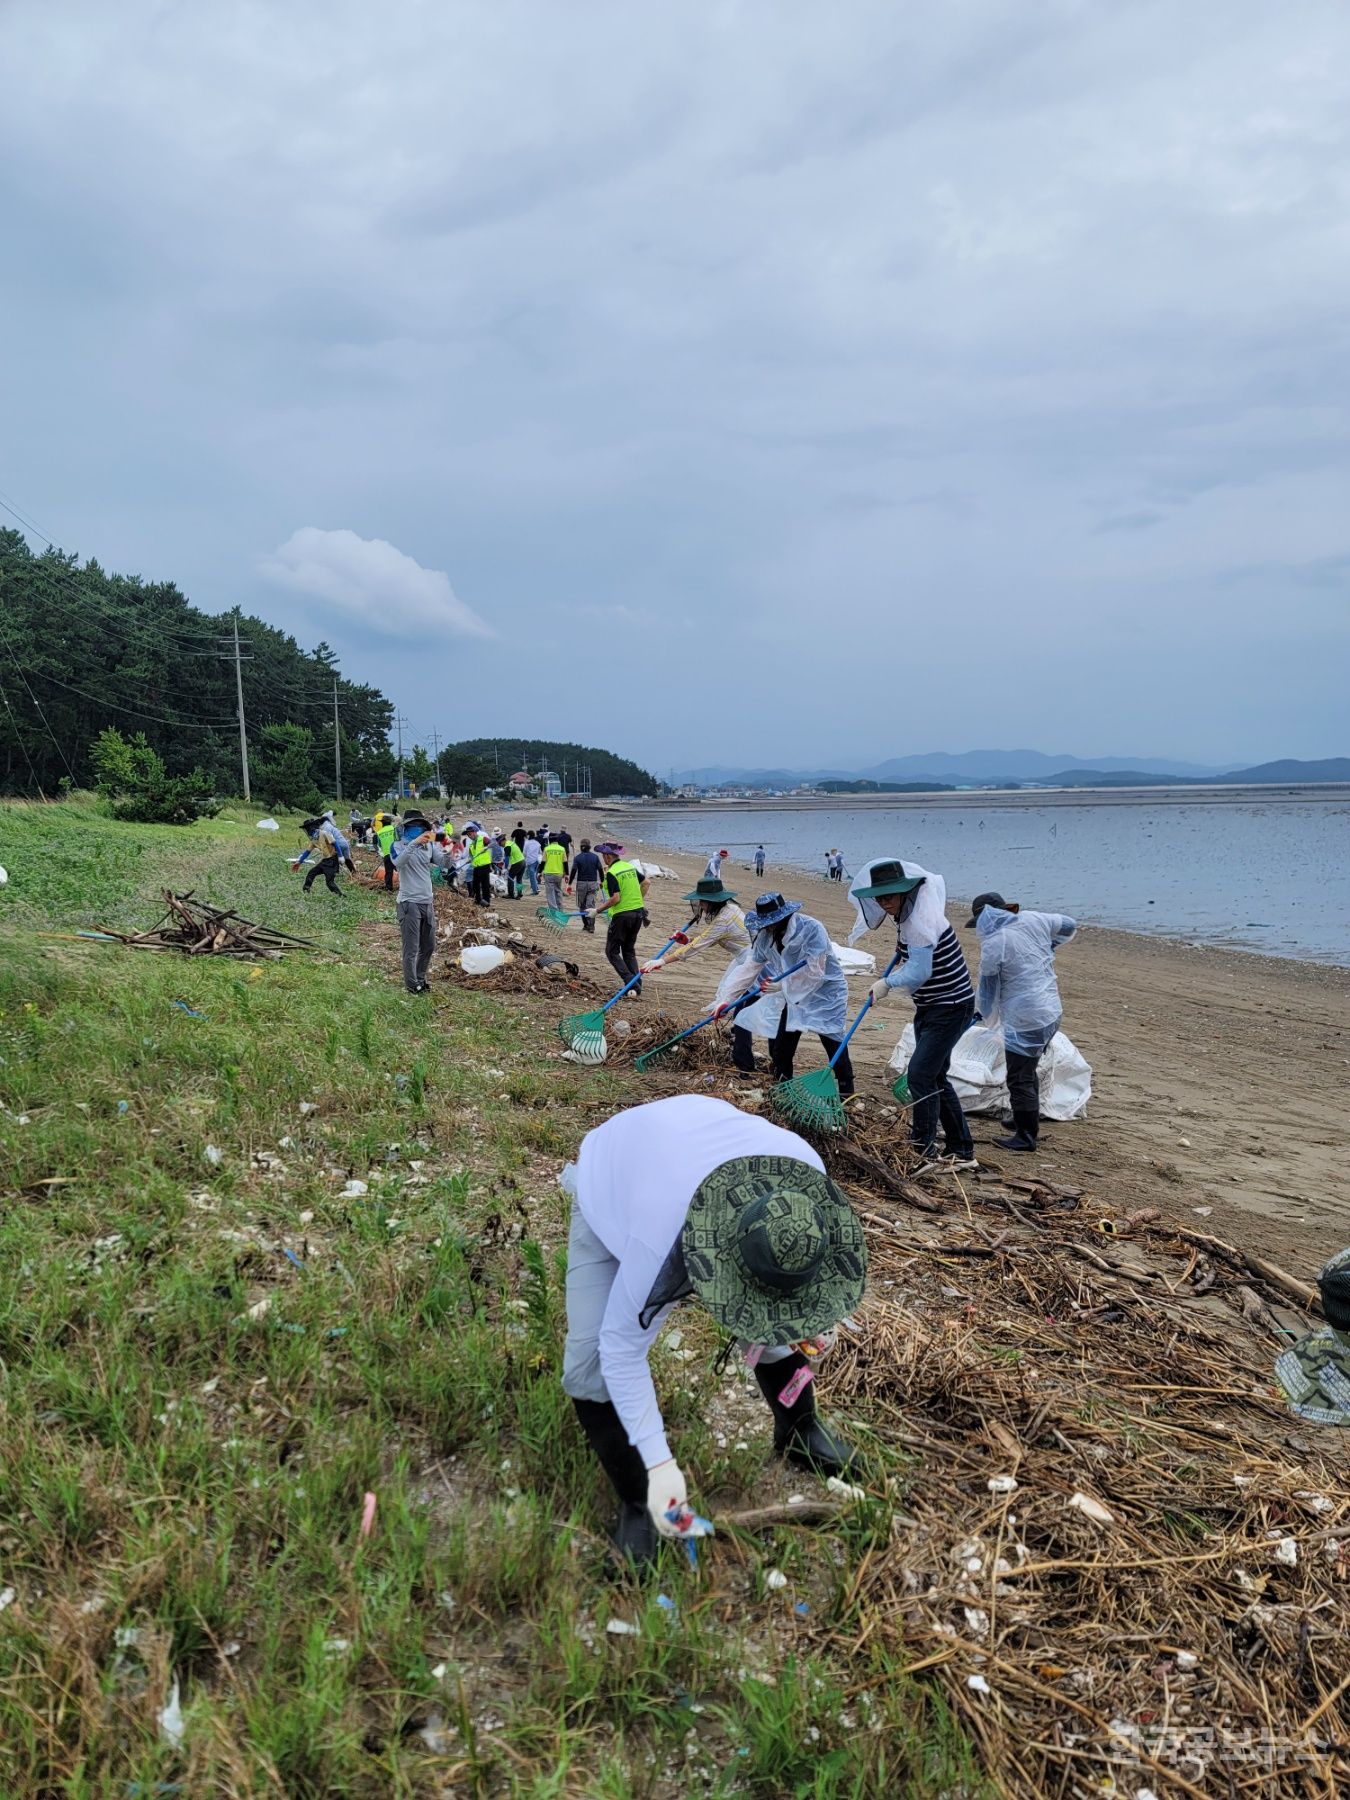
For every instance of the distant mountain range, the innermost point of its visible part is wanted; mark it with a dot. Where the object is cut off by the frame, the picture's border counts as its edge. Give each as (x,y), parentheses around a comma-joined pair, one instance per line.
(985,768)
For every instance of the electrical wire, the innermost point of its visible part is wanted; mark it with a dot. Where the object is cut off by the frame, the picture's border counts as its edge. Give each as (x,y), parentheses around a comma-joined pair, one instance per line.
(18,738)
(33,697)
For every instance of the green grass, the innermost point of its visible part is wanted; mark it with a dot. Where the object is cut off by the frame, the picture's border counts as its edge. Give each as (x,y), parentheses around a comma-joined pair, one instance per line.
(191,1421)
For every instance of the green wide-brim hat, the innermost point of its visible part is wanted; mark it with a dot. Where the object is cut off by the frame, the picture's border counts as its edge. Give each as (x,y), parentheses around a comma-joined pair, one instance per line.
(1315,1376)
(773,1249)
(889,878)
(709,888)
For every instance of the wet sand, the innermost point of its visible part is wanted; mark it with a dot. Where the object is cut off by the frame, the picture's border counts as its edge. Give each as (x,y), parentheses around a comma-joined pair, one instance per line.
(1219,1077)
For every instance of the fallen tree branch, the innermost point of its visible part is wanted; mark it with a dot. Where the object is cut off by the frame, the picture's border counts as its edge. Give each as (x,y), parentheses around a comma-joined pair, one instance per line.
(1289,1285)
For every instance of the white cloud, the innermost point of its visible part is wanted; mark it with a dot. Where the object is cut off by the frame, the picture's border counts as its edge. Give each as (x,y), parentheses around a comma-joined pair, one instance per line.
(372,582)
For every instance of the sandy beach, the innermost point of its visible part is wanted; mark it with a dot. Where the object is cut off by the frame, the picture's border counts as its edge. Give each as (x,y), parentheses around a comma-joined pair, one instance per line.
(1219,1076)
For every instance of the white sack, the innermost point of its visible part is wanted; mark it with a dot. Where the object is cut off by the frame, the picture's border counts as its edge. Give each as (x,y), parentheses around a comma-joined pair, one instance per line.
(980,1077)
(268,825)
(855,962)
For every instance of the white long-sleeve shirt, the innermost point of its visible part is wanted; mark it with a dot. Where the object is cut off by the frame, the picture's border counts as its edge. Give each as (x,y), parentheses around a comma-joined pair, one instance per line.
(726,928)
(636,1175)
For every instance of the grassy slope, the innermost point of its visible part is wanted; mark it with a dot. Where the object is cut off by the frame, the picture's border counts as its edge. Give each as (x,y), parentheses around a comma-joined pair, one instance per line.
(182,1475)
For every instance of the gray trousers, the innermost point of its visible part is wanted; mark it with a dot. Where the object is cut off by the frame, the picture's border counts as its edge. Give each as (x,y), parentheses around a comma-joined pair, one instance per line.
(586,892)
(590,1276)
(417,933)
(553,891)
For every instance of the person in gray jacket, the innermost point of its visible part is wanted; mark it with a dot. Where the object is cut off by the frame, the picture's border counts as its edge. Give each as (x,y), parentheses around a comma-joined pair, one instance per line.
(414,858)
(1018,991)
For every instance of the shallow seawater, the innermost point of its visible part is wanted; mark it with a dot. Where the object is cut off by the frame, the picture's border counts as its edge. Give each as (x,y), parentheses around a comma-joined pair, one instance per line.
(1273,876)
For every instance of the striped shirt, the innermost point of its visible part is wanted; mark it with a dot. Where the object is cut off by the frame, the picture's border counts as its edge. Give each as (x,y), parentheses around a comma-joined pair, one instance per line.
(949,984)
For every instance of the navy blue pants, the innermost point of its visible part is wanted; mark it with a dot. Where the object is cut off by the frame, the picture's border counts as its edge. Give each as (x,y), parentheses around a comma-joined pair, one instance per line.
(937,1031)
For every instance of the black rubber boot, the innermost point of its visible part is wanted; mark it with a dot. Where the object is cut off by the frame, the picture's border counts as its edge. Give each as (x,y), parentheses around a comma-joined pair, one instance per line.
(1024,1137)
(634,1534)
(798,1432)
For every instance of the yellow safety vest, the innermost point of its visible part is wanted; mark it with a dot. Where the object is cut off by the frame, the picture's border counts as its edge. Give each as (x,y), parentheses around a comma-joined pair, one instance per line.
(555,859)
(630,888)
(384,837)
(514,853)
(481,852)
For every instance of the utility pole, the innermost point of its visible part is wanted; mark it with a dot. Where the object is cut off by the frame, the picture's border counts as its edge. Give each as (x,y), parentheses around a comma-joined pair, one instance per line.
(233,653)
(436,752)
(398,779)
(337,744)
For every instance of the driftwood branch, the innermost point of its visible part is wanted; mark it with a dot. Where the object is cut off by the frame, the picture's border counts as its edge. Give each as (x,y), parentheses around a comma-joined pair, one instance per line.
(1260,1266)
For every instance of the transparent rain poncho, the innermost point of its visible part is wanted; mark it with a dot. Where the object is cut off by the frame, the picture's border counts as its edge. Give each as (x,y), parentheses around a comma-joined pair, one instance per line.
(817,996)
(1018,989)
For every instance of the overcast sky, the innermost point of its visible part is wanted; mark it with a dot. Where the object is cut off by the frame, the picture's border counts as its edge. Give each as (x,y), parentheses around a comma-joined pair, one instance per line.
(766,384)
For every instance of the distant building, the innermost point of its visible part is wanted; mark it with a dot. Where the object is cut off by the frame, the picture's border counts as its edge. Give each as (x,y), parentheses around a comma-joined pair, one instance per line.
(520,781)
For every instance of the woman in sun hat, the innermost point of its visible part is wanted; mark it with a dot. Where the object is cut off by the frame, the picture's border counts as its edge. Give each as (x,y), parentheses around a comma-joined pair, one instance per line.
(689,1197)
(1315,1371)
(781,934)
(719,921)
(932,970)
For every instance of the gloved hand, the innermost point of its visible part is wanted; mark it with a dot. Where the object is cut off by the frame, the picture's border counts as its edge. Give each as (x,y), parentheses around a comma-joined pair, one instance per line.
(822,1342)
(666,1492)
(653,968)
(880,989)
(681,937)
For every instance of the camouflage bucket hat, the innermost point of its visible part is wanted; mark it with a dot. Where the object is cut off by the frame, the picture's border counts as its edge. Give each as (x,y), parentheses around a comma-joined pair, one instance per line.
(773,1249)
(1315,1372)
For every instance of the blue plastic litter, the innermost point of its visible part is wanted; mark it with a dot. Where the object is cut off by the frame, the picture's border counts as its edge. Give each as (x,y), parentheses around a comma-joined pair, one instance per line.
(191,1011)
(801,1609)
(292,1257)
(665,1602)
(124,1106)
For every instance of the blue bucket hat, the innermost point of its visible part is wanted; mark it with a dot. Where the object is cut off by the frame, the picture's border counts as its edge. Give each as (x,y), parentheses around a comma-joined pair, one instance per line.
(771,909)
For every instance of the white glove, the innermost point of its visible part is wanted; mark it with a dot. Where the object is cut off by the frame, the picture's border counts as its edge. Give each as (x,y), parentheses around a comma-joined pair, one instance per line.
(880,989)
(653,968)
(666,1492)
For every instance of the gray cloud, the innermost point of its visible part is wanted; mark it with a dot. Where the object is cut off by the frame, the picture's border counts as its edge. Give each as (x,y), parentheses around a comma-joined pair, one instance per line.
(927,366)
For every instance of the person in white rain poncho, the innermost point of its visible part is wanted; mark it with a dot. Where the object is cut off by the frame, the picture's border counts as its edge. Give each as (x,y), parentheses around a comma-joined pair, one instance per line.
(1018,991)
(719,922)
(781,935)
(931,969)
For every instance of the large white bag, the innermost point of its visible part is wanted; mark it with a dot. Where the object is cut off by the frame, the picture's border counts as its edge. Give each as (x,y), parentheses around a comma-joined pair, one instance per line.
(980,1075)
(855,962)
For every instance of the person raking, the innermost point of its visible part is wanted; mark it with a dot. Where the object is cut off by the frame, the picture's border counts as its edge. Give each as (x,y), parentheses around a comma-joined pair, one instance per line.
(782,935)
(626,906)
(718,922)
(691,1198)
(932,970)
(1019,992)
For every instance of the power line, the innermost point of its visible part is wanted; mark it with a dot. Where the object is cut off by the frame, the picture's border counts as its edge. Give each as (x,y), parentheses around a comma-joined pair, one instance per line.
(18,739)
(136,711)
(33,697)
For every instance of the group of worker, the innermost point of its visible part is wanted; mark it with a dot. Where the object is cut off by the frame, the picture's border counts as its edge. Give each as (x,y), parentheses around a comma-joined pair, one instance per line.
(691,1198)
(739,1213)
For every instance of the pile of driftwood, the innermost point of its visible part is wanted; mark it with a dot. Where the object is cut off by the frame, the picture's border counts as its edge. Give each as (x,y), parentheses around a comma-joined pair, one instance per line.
(193,928)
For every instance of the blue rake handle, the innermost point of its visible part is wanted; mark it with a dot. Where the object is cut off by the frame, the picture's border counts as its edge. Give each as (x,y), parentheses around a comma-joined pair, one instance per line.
(638,977)
(861,1016)
(746,999)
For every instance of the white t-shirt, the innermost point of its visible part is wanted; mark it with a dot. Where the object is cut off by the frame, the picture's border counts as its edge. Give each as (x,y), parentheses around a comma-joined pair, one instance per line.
(636,1175)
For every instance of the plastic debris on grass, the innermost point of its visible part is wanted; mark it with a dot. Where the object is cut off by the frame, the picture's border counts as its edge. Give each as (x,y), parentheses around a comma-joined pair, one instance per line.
(171,1718)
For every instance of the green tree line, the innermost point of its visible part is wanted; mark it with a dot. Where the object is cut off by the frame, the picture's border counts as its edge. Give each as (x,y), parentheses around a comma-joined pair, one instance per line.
(82,650)
(475,763)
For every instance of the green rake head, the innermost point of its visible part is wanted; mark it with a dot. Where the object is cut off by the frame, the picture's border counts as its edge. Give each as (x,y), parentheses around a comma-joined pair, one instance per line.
(584,1035)
(648,1057)
(550,916)
(811,1102)
(900,1088)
